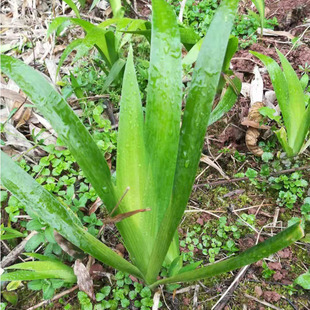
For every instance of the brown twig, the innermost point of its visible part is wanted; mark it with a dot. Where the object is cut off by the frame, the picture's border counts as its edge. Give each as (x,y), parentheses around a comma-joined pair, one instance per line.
(262,302)
(12,256)
(221,303)
(222,182)
(56,297)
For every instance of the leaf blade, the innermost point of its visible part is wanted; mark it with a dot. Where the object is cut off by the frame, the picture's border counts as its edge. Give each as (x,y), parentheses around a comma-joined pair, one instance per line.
(198,107)
(163,110)
(60,217)
(255,253)
(68,126)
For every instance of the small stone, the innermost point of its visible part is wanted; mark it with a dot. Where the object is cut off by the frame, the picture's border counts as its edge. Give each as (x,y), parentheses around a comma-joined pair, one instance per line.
(277,276)
(271,296)
(275,265)
(258,291)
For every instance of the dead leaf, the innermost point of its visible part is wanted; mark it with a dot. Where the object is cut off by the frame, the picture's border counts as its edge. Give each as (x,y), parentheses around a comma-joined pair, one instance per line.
(23,113)
(84,279)
(252,134)
(251,139)
(253,124)
(13,95)
(205,159)
(95,206)
(273,33)
(122,216)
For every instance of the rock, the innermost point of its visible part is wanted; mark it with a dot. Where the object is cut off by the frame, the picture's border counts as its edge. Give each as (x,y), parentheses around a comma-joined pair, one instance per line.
(258,291)
(271,296)
(275,266)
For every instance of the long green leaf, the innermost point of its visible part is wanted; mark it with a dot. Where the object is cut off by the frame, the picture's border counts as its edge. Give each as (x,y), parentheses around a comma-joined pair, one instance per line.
(226,103)
(26,275)
(68,126)
(130,168)
(73,7)
(54,268)
(304,131)
(40,202)
(196,116)
(192,55)
(59,21)
(296,101)
(260,6)
(163,111)
(187,37)
(117,8)
(113,74)
(254,254)
(280,87)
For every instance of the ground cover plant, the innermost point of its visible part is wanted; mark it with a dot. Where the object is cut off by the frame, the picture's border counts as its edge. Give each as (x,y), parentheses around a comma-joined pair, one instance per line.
(201,243)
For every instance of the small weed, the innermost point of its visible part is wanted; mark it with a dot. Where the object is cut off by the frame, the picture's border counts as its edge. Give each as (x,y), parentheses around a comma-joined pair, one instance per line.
(267,273)
(124,295)
(197,242)
(48,286)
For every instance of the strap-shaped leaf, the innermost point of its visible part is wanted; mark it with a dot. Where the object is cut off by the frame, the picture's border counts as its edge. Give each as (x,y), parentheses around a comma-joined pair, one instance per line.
(113,74)
(163,110)
(54,268)
(59,21)
(304,131)
(28,275)
(260,6)
(40,202)
(254,254)
(117,8)
(226,103)
(130,168)
(280,87)
(73,7)
(296,99)
(66,123)
(196,116)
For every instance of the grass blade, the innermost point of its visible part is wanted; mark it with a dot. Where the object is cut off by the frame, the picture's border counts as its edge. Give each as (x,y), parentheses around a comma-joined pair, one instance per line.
(40,202)
(68,126)
(198,107)
(254,254)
